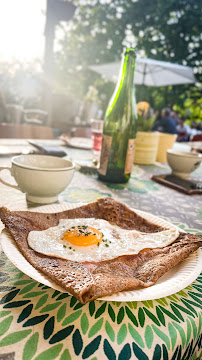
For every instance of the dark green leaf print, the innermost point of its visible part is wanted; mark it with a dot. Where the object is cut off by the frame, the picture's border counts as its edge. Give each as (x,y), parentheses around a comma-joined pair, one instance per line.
(25,313)
(5,325)
(56,292)
(174,357)
(120,315)
(35,320)
(14,337)
(73,301)
(141,317)
(182,308)
(100,311)
(77,342)
(197,303)
(160,315)
(189,303)
(91,347)
(197,287)
(131,316)
(169,314)
(8,297)
(49,328)
(165,352)
(62,296)
(109,352)
(45,287)
(157,353)
(188,351)
(195,296)
(50,354)
(91,308)
(30,347)
(78,306)
(176,312)
(151,316)
(111,312)
(15,304)
(125,353)
(62,334)
(179,355)
(139,353)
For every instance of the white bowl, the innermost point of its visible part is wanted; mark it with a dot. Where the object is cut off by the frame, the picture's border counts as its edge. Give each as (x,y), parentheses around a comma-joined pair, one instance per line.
(183,163)
(41,177)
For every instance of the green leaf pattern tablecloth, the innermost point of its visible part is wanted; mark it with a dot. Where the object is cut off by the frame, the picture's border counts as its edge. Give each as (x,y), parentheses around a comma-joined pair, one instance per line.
(37,322)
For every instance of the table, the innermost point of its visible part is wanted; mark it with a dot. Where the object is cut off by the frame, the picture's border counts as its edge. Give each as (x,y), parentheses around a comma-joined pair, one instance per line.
(40,323)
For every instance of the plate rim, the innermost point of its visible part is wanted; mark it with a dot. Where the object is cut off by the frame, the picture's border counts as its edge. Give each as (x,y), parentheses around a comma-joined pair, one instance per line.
(123,296)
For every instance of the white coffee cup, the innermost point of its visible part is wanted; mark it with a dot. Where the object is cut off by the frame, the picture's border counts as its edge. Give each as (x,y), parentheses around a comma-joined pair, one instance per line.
(183,163)
(41,177)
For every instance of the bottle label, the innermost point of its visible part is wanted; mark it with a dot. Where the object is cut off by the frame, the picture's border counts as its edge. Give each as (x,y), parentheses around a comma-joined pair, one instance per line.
(129,156)
(106,146)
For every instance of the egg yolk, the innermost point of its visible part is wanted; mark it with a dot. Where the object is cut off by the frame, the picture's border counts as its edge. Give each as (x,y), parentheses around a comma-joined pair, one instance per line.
(83,236)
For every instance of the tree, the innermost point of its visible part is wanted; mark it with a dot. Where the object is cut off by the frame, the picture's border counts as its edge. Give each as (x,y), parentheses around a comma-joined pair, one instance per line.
(169,31)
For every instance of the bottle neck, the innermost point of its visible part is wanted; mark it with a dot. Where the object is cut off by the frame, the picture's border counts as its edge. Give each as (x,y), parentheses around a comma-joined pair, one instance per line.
(126,76)
(128,69)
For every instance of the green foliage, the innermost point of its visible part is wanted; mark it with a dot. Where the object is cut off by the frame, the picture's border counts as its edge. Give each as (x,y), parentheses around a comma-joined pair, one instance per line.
(191,109)
(168,31)
(145,124)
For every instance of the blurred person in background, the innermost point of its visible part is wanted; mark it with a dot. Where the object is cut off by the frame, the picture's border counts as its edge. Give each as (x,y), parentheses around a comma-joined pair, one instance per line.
(166,123)
(195,128)
(183,130)
(174,115)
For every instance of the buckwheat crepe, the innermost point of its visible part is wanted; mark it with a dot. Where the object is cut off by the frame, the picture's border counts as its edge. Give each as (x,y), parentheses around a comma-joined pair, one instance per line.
(88,281)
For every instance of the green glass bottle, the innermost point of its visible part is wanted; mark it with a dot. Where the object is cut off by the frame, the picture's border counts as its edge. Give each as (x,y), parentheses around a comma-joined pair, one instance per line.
(119,132)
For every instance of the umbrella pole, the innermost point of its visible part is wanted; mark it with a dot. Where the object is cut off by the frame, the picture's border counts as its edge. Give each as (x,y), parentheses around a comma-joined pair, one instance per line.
(143,82)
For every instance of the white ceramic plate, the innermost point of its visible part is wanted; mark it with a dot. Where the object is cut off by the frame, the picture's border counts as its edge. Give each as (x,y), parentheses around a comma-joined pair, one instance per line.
(173,281)
(80,143)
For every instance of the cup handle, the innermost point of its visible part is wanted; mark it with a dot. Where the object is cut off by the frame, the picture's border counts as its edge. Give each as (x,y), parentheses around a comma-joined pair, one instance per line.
(6,183)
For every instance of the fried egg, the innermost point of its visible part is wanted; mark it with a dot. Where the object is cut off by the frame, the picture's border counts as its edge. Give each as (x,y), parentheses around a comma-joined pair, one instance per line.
(95,240)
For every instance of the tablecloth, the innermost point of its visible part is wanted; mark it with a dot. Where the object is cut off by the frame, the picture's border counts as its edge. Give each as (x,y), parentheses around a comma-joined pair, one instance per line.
(37,322)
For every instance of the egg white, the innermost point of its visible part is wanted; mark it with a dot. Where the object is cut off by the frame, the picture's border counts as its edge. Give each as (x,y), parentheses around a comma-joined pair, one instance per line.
(116,241)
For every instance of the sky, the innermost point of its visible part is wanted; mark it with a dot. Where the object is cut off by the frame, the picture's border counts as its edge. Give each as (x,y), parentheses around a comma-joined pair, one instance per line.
(22,24)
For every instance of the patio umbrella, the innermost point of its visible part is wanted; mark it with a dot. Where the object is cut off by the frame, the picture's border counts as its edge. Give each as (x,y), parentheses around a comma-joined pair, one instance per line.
(150,72)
